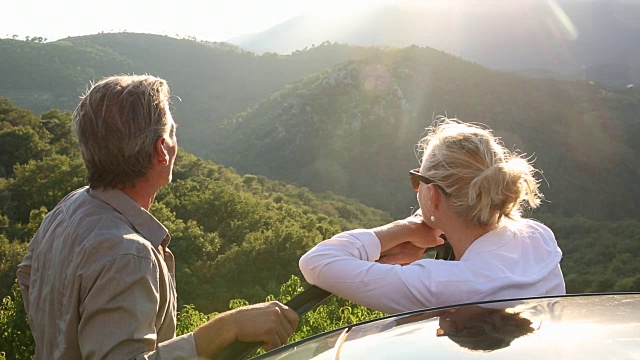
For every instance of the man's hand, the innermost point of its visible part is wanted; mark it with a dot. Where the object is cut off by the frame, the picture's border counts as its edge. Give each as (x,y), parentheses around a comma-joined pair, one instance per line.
(268,323)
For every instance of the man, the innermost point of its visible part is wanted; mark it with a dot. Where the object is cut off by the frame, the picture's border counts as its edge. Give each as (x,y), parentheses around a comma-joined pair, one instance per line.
(98,281)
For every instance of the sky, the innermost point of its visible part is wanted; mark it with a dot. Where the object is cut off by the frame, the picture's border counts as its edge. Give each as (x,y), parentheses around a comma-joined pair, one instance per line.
(214,20)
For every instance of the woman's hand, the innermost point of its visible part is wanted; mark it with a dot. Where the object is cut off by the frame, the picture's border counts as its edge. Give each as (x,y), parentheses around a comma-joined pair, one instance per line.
(404,241)
(402,254)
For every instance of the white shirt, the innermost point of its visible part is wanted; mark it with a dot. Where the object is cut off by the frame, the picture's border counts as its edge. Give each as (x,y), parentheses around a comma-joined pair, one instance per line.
(505,263)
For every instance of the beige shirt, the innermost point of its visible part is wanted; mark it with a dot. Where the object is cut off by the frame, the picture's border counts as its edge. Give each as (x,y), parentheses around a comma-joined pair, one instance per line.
(99,282)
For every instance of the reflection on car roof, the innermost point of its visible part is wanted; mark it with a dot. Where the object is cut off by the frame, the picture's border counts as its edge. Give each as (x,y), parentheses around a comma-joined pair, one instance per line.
(565,327)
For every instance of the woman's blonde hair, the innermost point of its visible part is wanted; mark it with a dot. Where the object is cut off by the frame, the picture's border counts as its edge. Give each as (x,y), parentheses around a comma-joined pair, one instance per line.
(479,175)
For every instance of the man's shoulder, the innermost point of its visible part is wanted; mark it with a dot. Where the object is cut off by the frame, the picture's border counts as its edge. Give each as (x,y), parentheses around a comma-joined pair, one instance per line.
(92,230)
(100,230)
(114,235)
(110,240)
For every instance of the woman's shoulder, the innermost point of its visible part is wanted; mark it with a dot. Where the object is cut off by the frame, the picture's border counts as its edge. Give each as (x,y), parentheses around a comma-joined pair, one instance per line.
(525,227)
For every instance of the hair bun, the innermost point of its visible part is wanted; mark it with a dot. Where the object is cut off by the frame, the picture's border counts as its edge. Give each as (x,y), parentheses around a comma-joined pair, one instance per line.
(482,177)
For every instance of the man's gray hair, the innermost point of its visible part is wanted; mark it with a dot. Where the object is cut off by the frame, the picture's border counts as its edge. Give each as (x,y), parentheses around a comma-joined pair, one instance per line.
(117,123)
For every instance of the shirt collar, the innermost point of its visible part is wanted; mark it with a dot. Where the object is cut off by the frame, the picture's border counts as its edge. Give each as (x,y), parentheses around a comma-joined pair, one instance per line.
(490,241)
(145,223)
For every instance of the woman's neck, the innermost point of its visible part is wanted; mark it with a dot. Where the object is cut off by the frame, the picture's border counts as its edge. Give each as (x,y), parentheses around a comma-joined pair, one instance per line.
(462,233)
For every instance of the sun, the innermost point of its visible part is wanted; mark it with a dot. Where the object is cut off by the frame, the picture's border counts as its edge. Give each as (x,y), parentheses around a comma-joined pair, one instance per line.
(345,7)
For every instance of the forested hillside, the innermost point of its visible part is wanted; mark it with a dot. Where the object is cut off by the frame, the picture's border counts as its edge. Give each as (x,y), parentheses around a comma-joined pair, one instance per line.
(345,119)
(351,130)
(237,236)
(213,80)
(220,224)
(219,221)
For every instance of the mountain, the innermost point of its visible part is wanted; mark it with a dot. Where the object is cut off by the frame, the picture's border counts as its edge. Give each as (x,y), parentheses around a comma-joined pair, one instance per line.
(351,130)
(209,80)
(587,39)
(345,118)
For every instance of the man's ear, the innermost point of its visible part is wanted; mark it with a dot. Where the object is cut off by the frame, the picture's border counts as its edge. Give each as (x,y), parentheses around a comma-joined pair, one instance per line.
(161,154)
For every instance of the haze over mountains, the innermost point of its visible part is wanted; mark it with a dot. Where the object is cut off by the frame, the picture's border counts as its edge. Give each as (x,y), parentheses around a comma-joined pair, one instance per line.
(587,39)
(345,118)
(350,130)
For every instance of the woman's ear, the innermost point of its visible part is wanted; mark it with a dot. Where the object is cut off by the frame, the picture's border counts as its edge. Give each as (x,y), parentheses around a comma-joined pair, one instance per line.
(434,197)
(160,152)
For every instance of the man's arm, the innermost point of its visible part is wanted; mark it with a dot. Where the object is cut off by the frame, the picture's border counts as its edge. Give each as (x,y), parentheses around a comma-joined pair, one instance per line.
(24,277)
(119,319)
(269,323)
(121,300)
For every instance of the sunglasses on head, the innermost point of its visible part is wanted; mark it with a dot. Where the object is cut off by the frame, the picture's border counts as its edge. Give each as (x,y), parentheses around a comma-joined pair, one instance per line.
(417,178)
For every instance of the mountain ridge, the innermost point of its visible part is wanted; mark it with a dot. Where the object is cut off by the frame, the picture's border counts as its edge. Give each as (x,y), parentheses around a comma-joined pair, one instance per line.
(595,39)
(213,80)
(326,131)
(583,133)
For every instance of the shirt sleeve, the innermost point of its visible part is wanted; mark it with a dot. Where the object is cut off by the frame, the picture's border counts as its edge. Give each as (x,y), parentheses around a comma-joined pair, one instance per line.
(24,277)
(118,313)
(345,266)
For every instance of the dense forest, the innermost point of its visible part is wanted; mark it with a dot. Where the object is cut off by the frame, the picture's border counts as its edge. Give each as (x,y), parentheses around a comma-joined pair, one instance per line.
(220,221)
(307,145)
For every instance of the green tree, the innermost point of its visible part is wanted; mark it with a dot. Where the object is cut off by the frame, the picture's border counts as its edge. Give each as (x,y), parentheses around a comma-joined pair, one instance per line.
(18,145)
(42,183)
(16,342)
(189,319)
(195,250)
(11,253)
(13,116)
(63,139)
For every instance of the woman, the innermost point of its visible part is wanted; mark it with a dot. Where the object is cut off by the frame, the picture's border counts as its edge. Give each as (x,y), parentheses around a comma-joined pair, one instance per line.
(471,188)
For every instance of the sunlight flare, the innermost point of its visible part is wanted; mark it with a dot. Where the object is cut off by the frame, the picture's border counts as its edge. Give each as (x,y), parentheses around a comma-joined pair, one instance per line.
(563,18)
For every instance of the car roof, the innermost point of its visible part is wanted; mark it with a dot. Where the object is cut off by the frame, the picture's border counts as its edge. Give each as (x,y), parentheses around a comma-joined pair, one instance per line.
(571,326)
